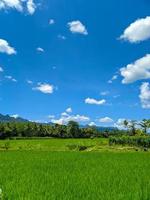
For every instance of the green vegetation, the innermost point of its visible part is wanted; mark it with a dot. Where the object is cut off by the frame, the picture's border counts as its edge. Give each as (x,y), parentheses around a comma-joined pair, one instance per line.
(58,162)
(30,175)
(132,125)
(52,144)
(71,130)
(142,141)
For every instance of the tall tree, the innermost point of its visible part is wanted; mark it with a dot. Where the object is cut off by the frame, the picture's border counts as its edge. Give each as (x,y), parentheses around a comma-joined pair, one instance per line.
(73,129)
(145,124)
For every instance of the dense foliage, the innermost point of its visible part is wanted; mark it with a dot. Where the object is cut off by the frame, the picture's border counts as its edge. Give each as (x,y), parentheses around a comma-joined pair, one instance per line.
(142,141)
(72,130)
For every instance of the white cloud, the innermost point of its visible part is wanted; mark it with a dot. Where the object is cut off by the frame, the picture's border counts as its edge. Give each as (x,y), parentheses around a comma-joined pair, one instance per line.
(138,70)
(30,82)
(19,5)
(58,121)
(92,124)
(10,78)
(40,49)
(51,21)
(105,120)
(119,123)
(64,114)
(6,48)
(104,93)
(1,69)
(94,101)
(14,4)
(113,78)
(15,116)
(44,88)
(69,110)
(64,119)
(31,7)
(77,27)
(145,95)
(62,37)
(137,31)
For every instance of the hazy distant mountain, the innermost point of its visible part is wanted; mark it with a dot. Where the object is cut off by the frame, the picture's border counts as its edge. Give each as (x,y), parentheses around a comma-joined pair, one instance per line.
(100,128)
(7,118)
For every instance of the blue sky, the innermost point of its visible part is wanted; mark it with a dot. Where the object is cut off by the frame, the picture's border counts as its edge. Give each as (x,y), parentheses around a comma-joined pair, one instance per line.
(62,54)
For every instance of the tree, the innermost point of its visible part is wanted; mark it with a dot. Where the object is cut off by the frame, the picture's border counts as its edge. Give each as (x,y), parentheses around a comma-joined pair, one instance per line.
(73,129)
(131,125)
(145,124)
(125,123)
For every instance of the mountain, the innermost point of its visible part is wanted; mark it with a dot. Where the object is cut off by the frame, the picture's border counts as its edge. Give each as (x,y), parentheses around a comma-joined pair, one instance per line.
(100,128)
(8,118)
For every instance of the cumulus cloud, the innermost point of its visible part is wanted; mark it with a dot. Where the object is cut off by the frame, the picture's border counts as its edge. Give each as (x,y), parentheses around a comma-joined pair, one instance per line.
(94,101)
(19,5)
(145,95)
(31,6)
(77,27)
(64,114)
(14,4)
(119,123)
(15,116)
(39,49)
(6,48)
(44,88)
(65,118)
(105,120)
(69,110)
(137,31)
(10,78)
(92,124)
(138,70)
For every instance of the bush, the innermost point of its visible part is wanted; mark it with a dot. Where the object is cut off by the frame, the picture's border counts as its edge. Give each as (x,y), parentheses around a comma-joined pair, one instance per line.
(77,147)
(143,141)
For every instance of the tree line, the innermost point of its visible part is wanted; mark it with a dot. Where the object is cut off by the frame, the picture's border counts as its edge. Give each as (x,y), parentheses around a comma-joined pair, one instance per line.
(134,127)
(71,130)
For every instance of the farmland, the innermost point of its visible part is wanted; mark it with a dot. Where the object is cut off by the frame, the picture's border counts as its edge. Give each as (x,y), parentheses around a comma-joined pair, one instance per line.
(48,169)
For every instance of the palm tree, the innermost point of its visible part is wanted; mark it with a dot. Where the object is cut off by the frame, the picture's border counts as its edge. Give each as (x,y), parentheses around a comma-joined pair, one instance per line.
(131,125)
(145,124)
(125,123)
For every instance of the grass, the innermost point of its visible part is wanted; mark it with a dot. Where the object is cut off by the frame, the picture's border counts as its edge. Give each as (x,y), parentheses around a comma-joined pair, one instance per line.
(49,170)
(50,144)
(74,175)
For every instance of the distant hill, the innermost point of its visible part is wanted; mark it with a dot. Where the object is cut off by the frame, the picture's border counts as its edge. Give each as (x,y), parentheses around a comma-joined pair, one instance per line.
(8,118)
(100,128)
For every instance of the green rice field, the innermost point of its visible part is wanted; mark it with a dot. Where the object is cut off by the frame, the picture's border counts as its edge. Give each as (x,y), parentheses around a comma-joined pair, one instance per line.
(57,173)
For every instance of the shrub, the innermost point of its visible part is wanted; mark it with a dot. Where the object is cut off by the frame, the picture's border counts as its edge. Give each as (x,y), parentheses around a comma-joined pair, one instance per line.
(142,141)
